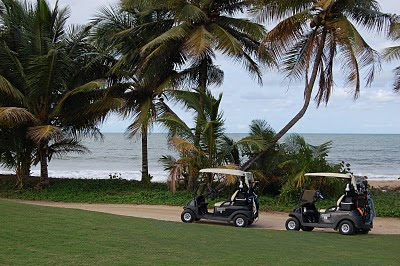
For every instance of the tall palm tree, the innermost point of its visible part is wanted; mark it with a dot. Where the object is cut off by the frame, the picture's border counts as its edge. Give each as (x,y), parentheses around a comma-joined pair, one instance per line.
(311,35)
(199,29)
(142,84)
(47,73)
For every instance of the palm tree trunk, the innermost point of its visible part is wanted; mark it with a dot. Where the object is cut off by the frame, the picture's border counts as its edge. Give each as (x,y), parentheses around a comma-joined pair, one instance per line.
(145,160)
(307,99)
(22,172)
(202,86)
(44,171)
(203,74)
(20,178)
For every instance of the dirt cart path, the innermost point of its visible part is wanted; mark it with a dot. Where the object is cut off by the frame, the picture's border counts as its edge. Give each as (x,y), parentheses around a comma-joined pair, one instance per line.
(268,220)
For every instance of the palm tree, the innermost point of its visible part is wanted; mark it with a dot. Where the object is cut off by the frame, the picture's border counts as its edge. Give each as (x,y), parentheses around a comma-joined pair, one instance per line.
(182,137)
(301,158)
(215,148)
(46,74)
(311,36)
(142,85)
(393,53)
(199,29)
(16,152)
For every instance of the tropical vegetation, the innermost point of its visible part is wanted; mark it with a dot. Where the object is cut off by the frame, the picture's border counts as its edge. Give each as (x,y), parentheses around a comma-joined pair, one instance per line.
(393,53)
(48,75)
(59,83)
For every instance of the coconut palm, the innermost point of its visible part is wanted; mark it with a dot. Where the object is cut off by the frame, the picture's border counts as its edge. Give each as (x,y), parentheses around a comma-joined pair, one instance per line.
(143,84)
(46,75)
(200,28)
(311,35)
(215,148)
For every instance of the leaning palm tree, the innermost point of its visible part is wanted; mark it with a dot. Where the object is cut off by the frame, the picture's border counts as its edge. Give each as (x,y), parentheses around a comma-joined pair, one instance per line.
(46,74)
(311,36)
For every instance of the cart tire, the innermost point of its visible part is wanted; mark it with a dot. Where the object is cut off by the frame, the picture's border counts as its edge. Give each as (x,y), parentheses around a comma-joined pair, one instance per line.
(292,224)
(240,220)
(307,228)
(346,227)
(188,216)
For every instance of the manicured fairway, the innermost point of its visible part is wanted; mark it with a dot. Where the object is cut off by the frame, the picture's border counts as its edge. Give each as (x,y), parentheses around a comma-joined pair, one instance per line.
(43,235)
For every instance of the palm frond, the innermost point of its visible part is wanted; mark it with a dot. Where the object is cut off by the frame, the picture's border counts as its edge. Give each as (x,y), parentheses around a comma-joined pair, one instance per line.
(200,43)
(44,133)
(14,116)
(392,53)
(8,89)
(191,13)
(176,33)
(64,146)
(182,145)
(397,79)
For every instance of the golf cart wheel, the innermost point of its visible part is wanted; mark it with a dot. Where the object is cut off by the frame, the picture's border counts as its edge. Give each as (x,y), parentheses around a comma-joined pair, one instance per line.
(188,216)
(346,227)
(240,221)
(292,224)
(307,228)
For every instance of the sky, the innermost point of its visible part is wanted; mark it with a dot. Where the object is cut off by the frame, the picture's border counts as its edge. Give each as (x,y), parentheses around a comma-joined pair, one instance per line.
(377,111)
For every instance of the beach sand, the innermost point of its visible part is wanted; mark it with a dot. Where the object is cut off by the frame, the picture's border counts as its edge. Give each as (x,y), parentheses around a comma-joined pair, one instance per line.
(386,185)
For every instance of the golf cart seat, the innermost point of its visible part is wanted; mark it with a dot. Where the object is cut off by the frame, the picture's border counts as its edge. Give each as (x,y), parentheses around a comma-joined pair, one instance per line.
(334,208)
(227,202)
(308,196)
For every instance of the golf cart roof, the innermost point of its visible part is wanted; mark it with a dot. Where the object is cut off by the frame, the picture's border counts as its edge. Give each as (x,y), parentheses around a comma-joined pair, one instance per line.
(343,176)
(223,171)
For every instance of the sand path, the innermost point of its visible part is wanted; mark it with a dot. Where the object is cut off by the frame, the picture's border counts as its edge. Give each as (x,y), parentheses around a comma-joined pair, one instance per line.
(268,220)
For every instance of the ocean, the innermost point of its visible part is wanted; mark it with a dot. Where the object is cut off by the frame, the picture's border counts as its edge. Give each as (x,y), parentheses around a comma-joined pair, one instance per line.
(376,156)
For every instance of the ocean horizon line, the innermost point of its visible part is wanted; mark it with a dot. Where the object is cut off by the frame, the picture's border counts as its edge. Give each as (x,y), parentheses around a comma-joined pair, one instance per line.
(300,133)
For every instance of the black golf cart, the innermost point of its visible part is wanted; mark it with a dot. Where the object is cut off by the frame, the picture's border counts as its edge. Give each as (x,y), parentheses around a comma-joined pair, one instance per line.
(353,213)
(241,208)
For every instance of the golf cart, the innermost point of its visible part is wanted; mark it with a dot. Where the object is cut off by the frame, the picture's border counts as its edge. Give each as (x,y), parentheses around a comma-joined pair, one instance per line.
(241,208)
(353,212)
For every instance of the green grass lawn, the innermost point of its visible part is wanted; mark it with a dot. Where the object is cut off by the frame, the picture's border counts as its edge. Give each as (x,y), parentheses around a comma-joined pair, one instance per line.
(34,235)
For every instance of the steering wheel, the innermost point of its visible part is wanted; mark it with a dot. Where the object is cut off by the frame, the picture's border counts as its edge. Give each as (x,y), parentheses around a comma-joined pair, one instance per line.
(318,195)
